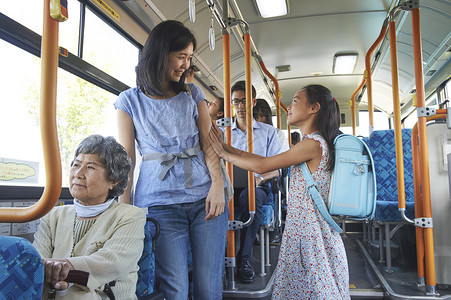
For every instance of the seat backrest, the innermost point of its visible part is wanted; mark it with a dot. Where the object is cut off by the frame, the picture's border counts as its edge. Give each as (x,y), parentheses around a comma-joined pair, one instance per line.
(146,273)
(21,269)
(382,146)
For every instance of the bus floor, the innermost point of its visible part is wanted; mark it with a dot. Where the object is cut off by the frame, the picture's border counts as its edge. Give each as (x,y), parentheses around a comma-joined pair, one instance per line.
(367,277)
(261,287)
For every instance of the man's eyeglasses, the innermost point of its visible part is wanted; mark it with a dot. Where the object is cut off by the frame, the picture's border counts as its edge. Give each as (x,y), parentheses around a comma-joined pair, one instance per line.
(237,101)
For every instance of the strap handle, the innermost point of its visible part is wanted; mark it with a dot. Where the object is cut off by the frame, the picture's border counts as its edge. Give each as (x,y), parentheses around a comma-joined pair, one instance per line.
(317,199)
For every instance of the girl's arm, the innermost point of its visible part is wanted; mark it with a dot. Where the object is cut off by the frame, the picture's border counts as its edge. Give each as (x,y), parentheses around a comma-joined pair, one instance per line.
(304,151)
(215,202)
(126,137)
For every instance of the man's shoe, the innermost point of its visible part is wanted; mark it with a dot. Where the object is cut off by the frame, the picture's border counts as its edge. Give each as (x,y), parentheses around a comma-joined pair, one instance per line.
(275,241)
(246,273)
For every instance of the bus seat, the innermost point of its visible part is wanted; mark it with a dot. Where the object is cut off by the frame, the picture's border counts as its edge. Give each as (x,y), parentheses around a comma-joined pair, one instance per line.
(146,274)
(267,221)
(21,269)
(382,146)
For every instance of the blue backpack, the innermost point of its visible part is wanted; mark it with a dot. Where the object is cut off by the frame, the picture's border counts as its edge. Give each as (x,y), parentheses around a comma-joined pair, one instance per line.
(352,191)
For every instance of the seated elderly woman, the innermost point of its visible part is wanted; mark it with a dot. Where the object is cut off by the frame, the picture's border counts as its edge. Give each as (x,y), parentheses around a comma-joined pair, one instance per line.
(96,234)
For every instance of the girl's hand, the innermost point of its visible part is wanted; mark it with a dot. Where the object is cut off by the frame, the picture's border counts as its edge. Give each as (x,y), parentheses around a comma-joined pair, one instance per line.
(215,202)
(216,140)
(56,271)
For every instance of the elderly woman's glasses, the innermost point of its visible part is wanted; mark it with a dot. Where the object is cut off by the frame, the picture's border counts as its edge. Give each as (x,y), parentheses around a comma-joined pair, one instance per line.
(236,101)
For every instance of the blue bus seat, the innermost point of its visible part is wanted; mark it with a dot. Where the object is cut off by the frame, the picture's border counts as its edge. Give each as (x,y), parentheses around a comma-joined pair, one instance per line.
(146,273)
(382,146)
(268,210)
(267,221)
(21,269)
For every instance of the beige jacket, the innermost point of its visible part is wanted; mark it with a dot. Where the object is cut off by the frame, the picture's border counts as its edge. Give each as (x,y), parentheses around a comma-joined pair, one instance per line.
(109,251)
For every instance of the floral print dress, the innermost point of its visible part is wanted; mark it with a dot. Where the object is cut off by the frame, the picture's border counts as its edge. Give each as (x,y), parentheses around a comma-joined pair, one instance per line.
(312,261)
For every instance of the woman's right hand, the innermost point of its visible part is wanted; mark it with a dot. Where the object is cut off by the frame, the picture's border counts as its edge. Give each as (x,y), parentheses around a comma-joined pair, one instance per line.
(216,141)
(56,271)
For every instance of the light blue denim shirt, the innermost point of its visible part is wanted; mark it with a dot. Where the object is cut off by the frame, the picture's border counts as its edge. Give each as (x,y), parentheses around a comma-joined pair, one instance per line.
(266,140)
(166,126)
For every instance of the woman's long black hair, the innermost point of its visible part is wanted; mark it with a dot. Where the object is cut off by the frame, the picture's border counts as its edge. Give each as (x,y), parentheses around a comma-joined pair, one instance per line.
(328,120)
(167,36)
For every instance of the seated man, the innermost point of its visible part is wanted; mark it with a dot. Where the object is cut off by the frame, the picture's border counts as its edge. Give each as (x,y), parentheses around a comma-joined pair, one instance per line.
(216,108)
(96,234)
(266,143)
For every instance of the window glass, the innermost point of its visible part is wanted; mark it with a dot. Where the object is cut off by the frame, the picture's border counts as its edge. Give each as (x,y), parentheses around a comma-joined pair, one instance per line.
(380,123)
(82,109)
(109,51)
(28,13)
(68,30)
(447,91)
(20,137)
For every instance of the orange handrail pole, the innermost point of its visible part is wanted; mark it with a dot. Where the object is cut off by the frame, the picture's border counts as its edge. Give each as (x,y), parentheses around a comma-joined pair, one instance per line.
(353,118)
(49,136)
(424,166)
(249,118)
(418,202)
(276,86)
(369,84)
(278,95)
(284,107)
(397,117)
(228,132)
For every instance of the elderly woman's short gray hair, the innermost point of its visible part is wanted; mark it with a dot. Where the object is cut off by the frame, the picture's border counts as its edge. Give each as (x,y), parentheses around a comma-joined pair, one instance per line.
(112,155)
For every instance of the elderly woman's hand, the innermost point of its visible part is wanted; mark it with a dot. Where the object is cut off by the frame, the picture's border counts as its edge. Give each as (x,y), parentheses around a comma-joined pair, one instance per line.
(55,272)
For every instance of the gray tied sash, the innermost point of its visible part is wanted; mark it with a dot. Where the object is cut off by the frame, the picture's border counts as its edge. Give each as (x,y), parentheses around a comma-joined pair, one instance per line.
(168,160)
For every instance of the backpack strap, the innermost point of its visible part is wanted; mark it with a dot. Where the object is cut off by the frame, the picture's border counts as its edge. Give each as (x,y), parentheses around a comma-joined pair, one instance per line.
(317,199)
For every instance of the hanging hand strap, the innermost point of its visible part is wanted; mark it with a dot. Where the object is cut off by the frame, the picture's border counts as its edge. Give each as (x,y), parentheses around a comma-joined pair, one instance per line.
(317,199)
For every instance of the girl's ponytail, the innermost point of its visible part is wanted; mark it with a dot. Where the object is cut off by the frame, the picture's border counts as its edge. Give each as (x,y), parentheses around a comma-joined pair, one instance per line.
(328,120)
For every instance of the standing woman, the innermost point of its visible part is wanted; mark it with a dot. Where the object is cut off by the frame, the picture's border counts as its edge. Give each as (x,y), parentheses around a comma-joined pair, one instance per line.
(180,180)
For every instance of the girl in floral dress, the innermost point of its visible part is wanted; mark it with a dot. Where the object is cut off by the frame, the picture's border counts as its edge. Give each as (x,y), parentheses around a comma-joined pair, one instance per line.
(312,262)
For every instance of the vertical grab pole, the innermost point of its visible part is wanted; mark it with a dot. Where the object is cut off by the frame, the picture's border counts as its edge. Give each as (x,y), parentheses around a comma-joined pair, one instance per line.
(228,132)
(230,267)
(369,84)
(419,231)
(424,165)
(419,201)
(397,116)
(249,118)
(49,134)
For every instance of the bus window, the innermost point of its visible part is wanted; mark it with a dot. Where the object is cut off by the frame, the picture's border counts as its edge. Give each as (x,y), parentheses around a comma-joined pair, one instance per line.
(380,119)
(21,82)
(28,13)
(83,108)
(109,51)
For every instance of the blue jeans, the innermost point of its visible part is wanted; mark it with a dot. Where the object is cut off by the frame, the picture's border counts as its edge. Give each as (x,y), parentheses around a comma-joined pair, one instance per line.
(248,234)
(182,225)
